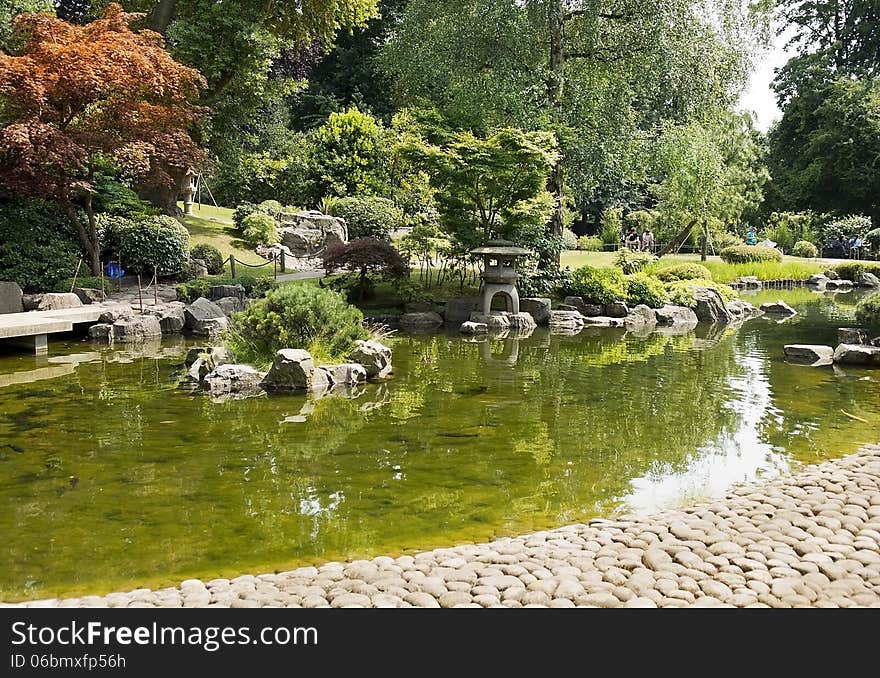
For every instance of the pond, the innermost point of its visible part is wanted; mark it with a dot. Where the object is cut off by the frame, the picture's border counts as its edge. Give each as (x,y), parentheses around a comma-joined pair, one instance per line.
(112,476)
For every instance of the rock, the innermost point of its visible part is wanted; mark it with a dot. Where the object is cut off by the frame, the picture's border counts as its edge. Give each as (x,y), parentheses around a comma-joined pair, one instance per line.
(201,314)
(217,292)
(346,374)
(418,307)
(853,354)
(136,328)
(459,310)
(101,332)
(470,328)
(566,320)
(213,327)
(294,370)
(778,308)
(390,320)
(307,234)
(641,319)
(818,280)
(866,279)
(230,305)
(710,306)
(200,368)
(749,282)
(875,341)
(675,315)
(55,301)
(375,357)
(838,284)
(421,321)
(537,307)
(497,321)
(586,309)
(616,309)
(274,251)
(568,307)
(604,321)
(809,354)
(243,380)
(831,274)
(10,298)
(88,295)
(198,268)
(111,312)
(31,302)
(742,309)
(172,317)
(851,335)
(521,321)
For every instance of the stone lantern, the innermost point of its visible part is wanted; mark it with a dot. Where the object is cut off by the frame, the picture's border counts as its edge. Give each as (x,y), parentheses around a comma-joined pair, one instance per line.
(188,189)
(499,274)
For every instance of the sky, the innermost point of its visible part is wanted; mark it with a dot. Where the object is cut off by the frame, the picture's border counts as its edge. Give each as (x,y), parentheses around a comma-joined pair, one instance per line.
(758,96)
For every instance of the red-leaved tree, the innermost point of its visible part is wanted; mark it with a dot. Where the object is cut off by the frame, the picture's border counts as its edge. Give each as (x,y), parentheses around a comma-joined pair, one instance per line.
(80,96)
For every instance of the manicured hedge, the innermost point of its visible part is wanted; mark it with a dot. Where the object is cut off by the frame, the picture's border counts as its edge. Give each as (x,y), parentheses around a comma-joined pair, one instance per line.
(745,254)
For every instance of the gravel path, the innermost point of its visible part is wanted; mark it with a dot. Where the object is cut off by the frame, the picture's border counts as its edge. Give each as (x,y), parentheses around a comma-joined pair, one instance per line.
(809,540)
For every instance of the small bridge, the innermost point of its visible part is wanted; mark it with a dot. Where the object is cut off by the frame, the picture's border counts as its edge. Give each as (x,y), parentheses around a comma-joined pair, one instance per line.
(31,329)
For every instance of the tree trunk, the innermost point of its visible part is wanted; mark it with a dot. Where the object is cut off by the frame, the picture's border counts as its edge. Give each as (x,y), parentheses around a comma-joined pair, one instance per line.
(677,240)
(162,15)
(555,84)
(90,246)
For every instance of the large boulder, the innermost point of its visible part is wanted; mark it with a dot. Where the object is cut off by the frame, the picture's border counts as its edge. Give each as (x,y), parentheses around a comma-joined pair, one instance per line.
(309,233)
(202,315)
(710,306)
(347,374)
(585,309)
(809,354)
(749,282)
(202,360)
(216,292)
(818,280)
(521,321)
(778,308)
(31,302)
(375,357)
(537,307)
(236,380)
(566,321)
(669,315)
(852,354)
(230,305)
(642,318)
(470,328)
(294,370)
(112,311)
(89,295)
(604,321)
(172,318)
(418,307)
(742,309)
(421,321)
(459,309)
(616,309)
(10,298)
(851,335)
(136,328)
(102,332)
(839,285)
(866,279)
(56,301)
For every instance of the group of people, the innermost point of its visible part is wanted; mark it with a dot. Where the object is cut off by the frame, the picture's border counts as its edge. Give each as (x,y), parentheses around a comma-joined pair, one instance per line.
(840,247)
(634,241)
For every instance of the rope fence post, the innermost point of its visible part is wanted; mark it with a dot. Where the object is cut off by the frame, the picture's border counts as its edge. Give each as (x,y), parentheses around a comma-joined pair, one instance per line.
(232,265)
(275,267)
(155,287)
(76,273)
(103,295)
(140,295)
(283,262)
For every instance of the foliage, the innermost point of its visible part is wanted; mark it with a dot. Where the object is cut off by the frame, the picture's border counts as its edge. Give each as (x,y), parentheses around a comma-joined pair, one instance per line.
(114,197)
(722,239)
(142,244)
(200,287)
(589,243)
(611,224)
(597,285)
(681,292)
(872,237)
(845,228)
(210,255)
(630,261)
(271,207)
(258,228)
(743,254)
(368,217)
(37,245)
(87,281)
(642,288)
(12,8)
(569,239)
(243,211)
(851,270)
(366,257)
(296,316)
(805,249)
(786,228)
(81,94)
(868,310)
(545,282)
(683,272)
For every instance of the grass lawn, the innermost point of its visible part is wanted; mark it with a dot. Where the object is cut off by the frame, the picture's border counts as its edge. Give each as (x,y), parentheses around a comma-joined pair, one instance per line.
(213,226)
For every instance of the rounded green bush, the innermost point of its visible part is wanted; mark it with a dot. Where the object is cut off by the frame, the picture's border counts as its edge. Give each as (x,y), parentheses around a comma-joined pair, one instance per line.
(873,239)
(161,242)
(260,229)
(368,217)
(210,255)
(851,270)
(868,310)
(805,249)
(683,272)
(681,292)
(296,316)
(569,239)
(630,262)
(744,254)
(642,288)
(589,243)
(598,285)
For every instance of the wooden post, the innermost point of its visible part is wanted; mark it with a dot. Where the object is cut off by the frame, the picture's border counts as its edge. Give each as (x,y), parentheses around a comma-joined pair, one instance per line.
(140,296)
(75,274)
(232,264)
(275,267)
(103,296)
(283,262)
(155,287)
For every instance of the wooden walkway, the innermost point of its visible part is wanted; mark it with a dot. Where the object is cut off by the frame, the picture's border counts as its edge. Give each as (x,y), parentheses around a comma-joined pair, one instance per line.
(31,329)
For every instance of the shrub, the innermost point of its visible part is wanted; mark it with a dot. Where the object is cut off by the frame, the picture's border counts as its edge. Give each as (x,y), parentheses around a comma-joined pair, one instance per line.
(113,197)
(545,282)
(630,262)
(744,254)
(210,255)
(271,207)
(805,249)
(846,228)
(368,217)
(296,316)
(38,247)
(597,285)
(721,240)
(253,287)
(681,292)
(569,239)
(611,223)
(161,242)
(589,243)
(851,270)
(868,310)
(365,257)
(683,272)
(873,239)
(260,229)
(242,212)
(349,155)
(642,288)
(87,281)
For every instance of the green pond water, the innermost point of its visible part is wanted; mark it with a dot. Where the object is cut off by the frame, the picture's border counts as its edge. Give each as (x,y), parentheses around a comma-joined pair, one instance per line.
(112,476)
